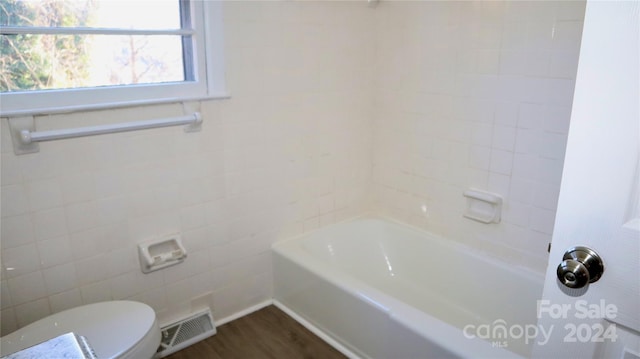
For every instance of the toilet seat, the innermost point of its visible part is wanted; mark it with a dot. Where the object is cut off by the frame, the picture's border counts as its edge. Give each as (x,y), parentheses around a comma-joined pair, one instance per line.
(114,329)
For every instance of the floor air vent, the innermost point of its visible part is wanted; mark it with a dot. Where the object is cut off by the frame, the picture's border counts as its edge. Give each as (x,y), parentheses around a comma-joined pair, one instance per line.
(181,334)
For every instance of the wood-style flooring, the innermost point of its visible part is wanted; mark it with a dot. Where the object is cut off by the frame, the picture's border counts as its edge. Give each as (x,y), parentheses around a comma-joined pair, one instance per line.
(267,333)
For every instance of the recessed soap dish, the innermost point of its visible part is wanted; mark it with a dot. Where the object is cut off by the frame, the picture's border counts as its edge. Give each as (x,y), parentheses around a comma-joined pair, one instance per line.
(161,253)
(484,207)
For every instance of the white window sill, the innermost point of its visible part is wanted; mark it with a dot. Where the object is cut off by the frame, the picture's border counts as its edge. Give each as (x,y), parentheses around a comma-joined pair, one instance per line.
(104,106)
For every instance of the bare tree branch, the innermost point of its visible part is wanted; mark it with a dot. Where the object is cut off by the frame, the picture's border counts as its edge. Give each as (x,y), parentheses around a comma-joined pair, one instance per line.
(26,63)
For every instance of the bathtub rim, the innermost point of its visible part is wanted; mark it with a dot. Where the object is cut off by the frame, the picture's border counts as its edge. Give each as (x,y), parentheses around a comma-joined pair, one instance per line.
(477,253)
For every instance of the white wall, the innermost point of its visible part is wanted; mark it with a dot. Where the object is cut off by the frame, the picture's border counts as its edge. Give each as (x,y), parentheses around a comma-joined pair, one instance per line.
(289,152)
(475,94)
(332,103)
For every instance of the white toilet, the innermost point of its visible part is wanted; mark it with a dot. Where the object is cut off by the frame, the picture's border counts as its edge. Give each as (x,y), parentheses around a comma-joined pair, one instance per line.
(114,329)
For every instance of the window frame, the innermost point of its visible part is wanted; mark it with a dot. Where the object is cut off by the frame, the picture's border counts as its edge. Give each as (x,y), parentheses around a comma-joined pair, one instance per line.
(208,63)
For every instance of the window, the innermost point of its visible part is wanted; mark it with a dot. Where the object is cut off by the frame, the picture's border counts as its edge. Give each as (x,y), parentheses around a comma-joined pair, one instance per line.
(65,55)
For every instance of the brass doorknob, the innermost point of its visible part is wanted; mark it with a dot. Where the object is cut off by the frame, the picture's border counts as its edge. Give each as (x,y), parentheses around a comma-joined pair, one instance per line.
(580,266)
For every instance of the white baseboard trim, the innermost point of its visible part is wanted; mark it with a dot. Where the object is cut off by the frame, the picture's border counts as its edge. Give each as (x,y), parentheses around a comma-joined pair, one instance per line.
(315,330)
(243,312)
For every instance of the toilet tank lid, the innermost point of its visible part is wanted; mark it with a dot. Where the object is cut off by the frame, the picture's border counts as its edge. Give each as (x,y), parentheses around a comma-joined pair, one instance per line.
(111,328)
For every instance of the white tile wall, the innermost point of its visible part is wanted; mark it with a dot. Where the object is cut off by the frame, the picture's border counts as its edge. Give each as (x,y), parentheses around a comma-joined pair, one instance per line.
(332,103)
(495,119)
(288,152)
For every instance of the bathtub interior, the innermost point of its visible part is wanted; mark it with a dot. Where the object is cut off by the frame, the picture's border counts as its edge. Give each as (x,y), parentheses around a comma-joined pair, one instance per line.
(446,280)
(399,259)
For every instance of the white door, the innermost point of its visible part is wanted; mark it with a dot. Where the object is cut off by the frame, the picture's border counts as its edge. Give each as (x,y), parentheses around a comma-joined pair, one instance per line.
(599,205)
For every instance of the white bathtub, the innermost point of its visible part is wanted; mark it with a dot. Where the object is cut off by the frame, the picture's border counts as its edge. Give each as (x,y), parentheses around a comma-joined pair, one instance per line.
(385,290)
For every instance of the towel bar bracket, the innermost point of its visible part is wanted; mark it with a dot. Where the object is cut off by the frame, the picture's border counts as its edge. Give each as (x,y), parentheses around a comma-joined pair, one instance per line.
(21,128)
(196,125)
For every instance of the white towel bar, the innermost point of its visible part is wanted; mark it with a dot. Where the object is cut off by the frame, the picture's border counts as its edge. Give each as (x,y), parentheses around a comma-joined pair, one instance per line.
(28,137)
(25,138)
